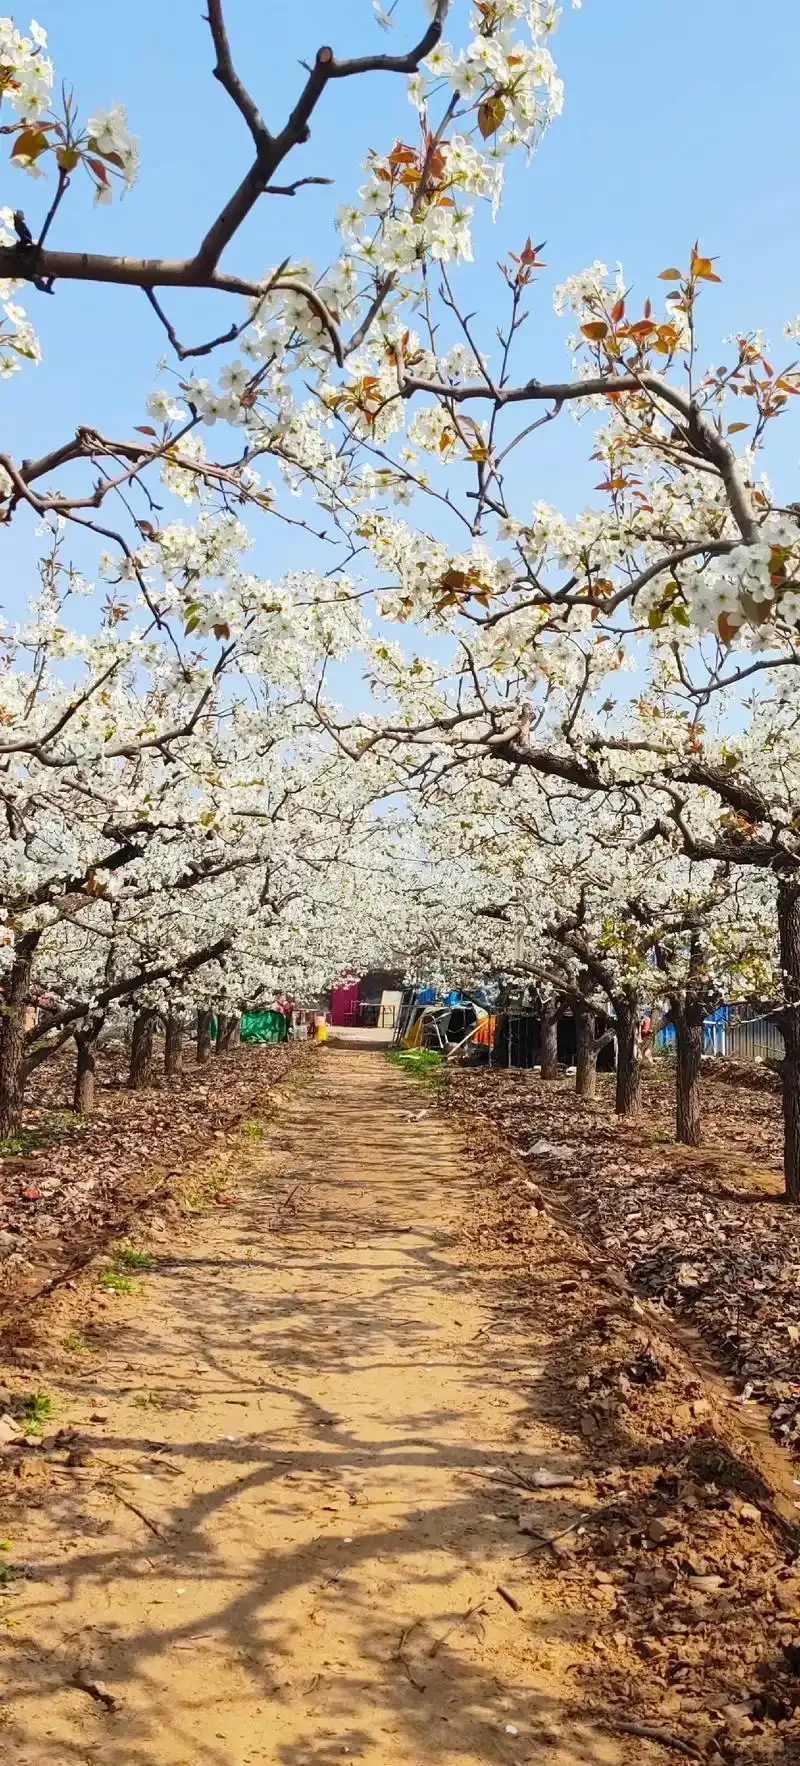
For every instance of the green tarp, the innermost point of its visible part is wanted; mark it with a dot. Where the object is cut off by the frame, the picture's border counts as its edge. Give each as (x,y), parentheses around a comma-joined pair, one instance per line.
(263,1027)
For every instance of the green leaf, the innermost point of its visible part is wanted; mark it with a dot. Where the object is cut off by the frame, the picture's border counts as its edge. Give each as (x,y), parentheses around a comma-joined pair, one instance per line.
(193,616)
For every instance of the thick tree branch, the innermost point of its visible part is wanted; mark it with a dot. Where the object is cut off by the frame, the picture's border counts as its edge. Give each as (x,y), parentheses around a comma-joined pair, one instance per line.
(272,150)
(44,267)
(738,795)
(147,273)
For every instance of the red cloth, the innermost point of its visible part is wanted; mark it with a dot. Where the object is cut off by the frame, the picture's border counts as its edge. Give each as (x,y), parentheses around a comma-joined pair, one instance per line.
(344,1004)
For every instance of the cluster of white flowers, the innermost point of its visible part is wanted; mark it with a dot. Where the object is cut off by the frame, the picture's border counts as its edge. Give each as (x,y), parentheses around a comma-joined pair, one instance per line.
(752,585)
(595,295)
(18,340)
(517,76)
(223,403)
(377,481)
(105,146)
(431,428)
(588,289)
(164,407)
(514,597)
(26,73)
(415,203)
(177,473)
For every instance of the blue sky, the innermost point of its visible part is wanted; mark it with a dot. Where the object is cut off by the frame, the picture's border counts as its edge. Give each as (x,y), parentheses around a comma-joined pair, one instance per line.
(681,121)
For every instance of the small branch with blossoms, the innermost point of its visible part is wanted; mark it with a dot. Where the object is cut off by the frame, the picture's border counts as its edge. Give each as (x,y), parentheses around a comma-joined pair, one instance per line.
(108,152)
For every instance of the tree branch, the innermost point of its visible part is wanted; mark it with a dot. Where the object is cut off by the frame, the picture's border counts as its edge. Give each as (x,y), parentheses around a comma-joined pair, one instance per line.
(122,989)
(272,150)
(21,263)
(147,273)
(292,189)
(228,78)
(705,437)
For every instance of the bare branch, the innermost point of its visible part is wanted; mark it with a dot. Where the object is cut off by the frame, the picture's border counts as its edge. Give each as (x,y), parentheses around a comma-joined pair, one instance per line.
(272,150)
(202,349)
(292,189)
(61,190)
(228,78)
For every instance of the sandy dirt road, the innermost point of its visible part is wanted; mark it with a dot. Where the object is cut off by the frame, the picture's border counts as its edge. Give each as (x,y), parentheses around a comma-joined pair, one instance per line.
(287,1543)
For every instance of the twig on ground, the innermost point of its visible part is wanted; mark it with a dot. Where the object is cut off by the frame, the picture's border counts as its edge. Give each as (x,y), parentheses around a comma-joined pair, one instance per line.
(473,1610)
(665,1738)
(399,1655)
(553,1538)
(126,1503)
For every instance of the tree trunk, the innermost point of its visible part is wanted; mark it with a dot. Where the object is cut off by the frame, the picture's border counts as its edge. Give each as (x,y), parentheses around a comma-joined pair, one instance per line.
(13,1007)
(629,1066)
(204,1040)
(586,1058)
(548,1052)
(689,1045)
(140,1073)
(228,1034)
(173,1045)
(86,1067)
(789,1023)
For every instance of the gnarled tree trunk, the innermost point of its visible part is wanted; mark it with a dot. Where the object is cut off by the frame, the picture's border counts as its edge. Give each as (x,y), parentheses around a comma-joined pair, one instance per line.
(629,1065)
(13,1007)
(86,1066)
(204,1040)
(548,1051)
(789,1024)
(173,1044)
(140,1073)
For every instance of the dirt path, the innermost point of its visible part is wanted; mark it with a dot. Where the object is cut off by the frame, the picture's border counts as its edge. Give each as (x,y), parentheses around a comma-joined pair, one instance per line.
(287,1548)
